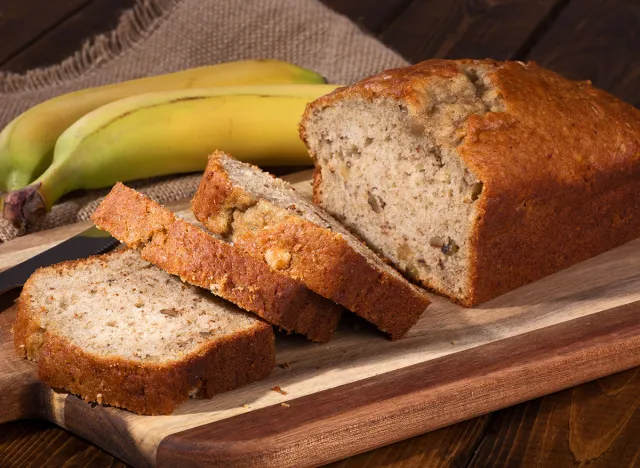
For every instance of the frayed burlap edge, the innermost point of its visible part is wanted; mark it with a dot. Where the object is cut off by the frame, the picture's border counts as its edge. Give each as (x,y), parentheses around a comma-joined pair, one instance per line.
(134,25)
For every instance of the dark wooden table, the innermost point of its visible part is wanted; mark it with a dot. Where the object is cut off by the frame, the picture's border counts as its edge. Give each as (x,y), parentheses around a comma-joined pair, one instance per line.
(596,424)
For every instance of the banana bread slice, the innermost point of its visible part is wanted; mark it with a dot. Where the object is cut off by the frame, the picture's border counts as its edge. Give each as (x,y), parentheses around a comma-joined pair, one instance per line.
(475,177)
(117,330)
(267,218)
(183,248)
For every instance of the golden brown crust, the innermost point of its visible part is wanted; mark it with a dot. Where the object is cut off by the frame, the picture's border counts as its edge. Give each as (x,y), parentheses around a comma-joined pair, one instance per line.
(183,249)
(318,257)
(317,185)
(142,387)
(218,191)
(152,388)
(577,195)
(402,84)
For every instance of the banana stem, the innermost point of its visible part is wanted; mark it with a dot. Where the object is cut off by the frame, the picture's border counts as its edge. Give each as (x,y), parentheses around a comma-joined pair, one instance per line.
(33,201)
(23,205)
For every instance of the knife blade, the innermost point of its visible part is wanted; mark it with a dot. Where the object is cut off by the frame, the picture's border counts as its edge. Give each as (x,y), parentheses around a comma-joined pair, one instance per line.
(89,242)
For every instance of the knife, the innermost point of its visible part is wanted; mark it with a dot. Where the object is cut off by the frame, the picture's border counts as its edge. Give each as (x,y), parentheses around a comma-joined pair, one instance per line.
(89,242)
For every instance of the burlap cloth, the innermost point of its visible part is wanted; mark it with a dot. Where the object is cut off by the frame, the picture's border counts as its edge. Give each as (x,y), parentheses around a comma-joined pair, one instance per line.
(161,36)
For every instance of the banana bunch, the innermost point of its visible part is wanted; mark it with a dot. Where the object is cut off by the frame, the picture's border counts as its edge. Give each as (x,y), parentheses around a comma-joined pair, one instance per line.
(167,133)
(152,134)
(27,143)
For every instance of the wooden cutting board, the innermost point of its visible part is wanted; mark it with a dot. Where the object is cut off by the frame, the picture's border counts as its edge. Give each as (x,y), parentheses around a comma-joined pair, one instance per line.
(361,391)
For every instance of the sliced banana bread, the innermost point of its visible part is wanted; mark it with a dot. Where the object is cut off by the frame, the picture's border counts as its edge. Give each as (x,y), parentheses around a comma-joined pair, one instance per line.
(117,330)
(183,248)
(267,218)
(475,176)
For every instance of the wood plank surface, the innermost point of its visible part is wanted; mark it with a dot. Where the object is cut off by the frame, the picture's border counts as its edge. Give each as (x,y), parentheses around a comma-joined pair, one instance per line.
(43,444)
(597,40)
(467,28)
(93,17)
(20,386)
(24,22)
(451,446)
(595,425)
(375,17)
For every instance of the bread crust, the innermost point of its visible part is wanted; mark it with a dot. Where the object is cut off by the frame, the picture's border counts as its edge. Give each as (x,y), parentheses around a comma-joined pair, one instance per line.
(198,258)
(141,387)
(321,259)
(578,194)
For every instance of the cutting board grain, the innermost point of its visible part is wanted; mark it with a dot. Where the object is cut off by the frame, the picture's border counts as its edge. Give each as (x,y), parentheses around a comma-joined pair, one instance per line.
(361,391)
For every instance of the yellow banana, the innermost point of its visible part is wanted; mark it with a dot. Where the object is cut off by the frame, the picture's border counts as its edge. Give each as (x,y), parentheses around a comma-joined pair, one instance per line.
(26,144)
(166,133)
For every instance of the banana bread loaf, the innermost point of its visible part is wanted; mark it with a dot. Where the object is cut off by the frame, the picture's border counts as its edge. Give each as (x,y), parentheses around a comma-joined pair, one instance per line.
(475,177)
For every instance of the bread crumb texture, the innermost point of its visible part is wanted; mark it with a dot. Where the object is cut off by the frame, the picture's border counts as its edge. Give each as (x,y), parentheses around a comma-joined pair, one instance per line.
(124,306)
(118,330)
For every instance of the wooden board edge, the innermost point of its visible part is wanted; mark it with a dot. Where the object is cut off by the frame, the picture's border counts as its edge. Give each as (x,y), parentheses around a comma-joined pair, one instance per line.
(361,416)
(21,391)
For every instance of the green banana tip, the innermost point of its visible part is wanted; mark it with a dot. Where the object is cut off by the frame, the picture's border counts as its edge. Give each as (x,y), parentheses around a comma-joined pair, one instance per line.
(313,76)
(322,79)
(24,205)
